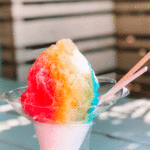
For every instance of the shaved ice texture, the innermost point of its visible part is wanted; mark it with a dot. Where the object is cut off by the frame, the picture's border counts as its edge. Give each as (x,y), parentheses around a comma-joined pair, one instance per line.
(62,87)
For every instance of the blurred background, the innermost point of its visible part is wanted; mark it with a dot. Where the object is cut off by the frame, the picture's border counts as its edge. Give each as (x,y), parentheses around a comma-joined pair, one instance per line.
(112,35)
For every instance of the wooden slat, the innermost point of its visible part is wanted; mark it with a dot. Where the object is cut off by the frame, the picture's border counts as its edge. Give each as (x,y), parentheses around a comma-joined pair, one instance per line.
(126,24)
(15,72)
(6,34)
(101,43)
(9,71)
(126,60)
(53,1)
(132,42)
(5,1)
(8,55)
(130,1)
(5,12)
(132,6)
(20,11)
(51,30)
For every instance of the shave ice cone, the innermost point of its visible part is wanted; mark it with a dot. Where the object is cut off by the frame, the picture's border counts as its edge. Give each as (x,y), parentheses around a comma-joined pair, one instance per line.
(62,89)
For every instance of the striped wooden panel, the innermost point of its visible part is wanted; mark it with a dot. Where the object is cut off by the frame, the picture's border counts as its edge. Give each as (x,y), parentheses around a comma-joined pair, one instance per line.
(6,32)
(127,59)
(3,2)
(50,30)
(132,17)
(130,1)
(20,11)
(133,36)
(90,24)
(132,24)
(47,1)
(133,43)
(133,6)
(127,24)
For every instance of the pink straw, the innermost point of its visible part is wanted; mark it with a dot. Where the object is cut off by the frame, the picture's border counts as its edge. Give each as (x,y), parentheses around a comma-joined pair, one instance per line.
(114,90)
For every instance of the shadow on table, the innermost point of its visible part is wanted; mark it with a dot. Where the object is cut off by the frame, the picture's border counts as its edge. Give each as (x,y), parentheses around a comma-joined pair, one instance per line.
(129,121)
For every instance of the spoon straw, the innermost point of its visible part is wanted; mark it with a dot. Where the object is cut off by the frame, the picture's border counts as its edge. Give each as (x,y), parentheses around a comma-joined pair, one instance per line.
(120,86)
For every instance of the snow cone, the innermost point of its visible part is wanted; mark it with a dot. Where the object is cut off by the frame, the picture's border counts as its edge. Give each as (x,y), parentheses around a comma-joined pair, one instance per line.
(61,96)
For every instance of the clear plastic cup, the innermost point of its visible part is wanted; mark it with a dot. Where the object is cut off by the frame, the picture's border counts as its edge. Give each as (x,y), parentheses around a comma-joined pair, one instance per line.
(62,137)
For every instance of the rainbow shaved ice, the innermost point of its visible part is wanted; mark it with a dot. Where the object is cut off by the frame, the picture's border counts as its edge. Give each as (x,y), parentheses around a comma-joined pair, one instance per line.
(62,87)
